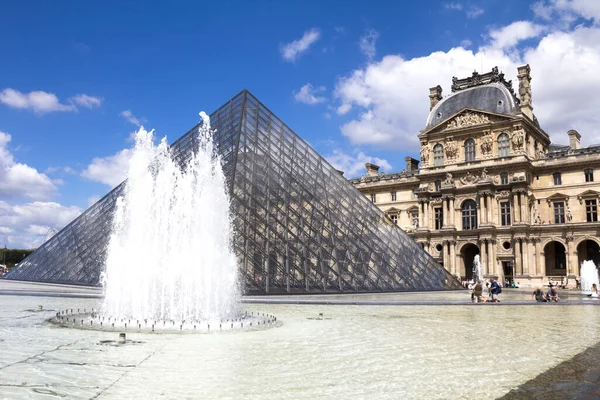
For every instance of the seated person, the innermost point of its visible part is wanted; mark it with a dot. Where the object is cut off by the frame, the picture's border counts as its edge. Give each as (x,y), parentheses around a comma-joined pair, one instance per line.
(538,295)
(552,294)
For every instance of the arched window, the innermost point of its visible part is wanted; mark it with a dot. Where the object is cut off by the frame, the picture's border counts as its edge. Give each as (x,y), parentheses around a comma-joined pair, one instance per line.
(503,145)
(469,150)
(438,155)
(469,215)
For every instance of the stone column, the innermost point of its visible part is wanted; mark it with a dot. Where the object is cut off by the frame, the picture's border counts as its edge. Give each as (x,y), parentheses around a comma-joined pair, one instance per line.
(518,265)
(481,211)
(490,258)
(525,256)
(483,256)
(538,256)
(445,255)
(426,222)
(571,257)
(489,208)
(453,257)
(523,207)
(452,212)
(421,214)
(493,261)
(516,208)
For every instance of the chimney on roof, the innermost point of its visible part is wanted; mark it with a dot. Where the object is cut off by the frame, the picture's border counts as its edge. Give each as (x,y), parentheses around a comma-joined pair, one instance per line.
(524,76)
(435,95)
(372,169)
(574,139)
(411,164)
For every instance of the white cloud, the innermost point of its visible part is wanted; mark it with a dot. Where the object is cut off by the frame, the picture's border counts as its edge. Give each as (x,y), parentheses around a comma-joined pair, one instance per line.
(291,51)
(87,101)
(343,109)
(391,94)
(471,11)
(466,43)
(474,12)
(367,43)
(111,170)
(309,94)
(567,10)
(129,117)
(43,102)
(509,36)
(26,225)
(453,6)
(19,180)
(354,164)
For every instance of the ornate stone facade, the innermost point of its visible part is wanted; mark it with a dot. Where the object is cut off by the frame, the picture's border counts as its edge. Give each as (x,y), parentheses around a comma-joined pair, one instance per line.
(528,208)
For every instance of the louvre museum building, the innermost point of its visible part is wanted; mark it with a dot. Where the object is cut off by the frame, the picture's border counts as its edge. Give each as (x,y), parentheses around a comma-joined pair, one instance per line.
(489,182)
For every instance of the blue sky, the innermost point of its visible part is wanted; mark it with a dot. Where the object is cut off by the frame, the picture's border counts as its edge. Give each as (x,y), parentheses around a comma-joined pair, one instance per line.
(76,78)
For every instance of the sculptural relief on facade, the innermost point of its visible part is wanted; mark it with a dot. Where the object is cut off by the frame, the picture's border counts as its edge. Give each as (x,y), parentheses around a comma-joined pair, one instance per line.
(451,148)
(486,144)
(469,179)
(467,119)
(425,154)
(537,219)
(518,139)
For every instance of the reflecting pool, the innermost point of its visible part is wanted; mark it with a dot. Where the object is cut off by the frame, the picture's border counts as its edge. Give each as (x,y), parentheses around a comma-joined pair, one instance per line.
(355,351)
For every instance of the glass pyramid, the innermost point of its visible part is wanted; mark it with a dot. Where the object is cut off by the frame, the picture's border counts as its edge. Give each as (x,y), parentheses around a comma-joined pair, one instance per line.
(300,226)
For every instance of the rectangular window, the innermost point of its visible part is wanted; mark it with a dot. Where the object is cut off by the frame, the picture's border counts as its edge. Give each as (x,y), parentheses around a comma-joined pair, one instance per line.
(591,210)
(504,178)
(438,185)
(394,219)
(559,212)
(373,198)
(557,178)
(393,196)
(589,175)
(505,213)
(439,217)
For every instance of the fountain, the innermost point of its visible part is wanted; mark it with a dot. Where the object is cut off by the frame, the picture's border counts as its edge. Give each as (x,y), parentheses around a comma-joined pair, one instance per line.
(169,264)
(169,255)
(589,276)
(477,269)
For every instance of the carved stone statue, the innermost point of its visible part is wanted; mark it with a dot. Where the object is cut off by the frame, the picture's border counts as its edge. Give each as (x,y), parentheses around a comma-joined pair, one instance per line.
(486,143)
(467,119)
(449,180)
(537,220)
(518,138)
(363,178)
(415,221)
(451,148)
(425,154)
(484,175)
(569,215)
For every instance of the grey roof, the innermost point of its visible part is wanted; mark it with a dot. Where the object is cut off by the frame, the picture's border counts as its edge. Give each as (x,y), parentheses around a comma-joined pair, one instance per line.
(493,97)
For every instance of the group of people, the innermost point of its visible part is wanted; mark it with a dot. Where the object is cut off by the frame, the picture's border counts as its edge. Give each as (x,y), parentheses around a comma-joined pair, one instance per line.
(541,297)
(493,290)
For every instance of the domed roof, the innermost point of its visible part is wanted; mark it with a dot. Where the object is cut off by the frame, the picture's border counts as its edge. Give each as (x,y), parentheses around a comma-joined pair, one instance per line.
(493,97)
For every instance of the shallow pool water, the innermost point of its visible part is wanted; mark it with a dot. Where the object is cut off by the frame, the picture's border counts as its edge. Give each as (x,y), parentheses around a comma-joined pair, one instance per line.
(356,351)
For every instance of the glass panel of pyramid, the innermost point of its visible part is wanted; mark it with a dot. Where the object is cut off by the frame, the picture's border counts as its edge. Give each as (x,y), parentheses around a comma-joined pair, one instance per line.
(300,226)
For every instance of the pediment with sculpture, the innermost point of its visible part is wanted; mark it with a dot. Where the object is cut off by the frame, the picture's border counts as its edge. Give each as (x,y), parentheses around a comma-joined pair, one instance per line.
(466,118)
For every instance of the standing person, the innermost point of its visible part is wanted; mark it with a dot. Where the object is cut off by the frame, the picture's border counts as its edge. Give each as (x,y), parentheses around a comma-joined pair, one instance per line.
(495,290)
(478,292)
(552,294)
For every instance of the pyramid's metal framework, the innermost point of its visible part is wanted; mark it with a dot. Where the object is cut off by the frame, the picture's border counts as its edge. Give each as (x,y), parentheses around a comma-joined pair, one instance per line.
(300,226)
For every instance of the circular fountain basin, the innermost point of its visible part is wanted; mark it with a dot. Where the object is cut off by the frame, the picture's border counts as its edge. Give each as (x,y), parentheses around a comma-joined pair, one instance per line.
(92,320)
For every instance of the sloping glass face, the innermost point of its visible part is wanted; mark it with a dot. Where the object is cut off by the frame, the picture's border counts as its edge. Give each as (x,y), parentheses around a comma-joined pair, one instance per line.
(300,226)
